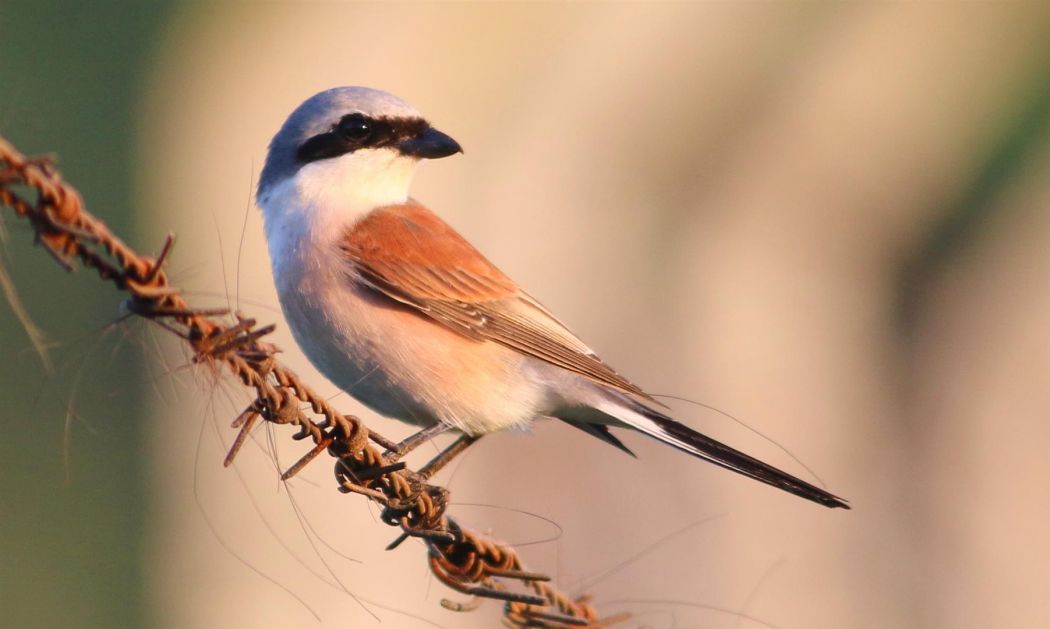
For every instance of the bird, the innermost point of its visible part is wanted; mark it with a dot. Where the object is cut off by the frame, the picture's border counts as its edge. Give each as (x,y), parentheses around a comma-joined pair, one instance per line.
(401,312)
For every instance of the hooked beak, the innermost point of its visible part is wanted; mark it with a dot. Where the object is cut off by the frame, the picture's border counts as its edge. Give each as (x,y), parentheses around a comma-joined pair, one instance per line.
(431,144)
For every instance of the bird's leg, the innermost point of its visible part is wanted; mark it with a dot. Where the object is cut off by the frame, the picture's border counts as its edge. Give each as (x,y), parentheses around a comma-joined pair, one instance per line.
(415,440)
(445,456)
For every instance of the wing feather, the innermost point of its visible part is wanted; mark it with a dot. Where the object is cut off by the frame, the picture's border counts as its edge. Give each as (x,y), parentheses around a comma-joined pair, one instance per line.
(411,256)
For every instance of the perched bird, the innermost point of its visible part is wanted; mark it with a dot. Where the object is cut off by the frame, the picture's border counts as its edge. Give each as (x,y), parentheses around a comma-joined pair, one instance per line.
(401,312)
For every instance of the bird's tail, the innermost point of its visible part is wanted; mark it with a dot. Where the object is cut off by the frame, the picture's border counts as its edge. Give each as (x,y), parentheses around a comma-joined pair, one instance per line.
(671,432)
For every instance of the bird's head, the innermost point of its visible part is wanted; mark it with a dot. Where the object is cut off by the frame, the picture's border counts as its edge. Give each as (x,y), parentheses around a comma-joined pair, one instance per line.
(354,145)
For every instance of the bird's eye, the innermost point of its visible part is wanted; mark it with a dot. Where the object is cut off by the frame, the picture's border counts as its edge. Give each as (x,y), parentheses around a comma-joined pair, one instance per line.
(355,128)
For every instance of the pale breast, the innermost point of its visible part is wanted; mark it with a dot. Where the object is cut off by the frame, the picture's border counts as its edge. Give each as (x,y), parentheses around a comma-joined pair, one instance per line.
(392,359)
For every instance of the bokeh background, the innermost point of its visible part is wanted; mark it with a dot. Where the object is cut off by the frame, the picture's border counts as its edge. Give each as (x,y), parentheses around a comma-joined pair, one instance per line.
(830,220)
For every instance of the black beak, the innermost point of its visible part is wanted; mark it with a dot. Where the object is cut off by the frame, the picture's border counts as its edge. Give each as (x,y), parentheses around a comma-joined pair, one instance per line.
(431,144)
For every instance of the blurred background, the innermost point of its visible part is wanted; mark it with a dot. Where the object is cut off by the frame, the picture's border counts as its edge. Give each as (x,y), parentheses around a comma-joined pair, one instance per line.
(830,220)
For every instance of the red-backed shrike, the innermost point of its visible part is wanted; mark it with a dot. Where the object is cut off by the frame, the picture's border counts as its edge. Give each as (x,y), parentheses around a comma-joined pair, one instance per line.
(402,313)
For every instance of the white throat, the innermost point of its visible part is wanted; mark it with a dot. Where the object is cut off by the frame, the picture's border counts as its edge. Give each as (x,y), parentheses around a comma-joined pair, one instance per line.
(335,193)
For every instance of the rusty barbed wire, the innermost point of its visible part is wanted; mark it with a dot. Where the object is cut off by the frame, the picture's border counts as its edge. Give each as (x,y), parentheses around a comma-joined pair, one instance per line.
(461,559)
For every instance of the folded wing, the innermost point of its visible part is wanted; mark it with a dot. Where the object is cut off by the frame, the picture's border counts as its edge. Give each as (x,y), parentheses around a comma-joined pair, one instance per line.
(410,255)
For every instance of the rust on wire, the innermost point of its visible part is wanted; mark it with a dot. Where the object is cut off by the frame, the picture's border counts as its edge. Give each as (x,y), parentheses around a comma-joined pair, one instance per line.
(365,462)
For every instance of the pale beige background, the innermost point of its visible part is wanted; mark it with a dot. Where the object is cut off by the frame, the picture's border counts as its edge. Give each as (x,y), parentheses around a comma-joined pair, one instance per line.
(719,198)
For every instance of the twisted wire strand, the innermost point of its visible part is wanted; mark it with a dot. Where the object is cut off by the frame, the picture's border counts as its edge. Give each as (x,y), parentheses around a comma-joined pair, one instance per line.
(464,560)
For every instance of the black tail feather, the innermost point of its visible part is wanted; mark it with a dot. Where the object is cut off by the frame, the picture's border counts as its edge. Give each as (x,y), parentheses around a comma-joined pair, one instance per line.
(688,440)
(602,432)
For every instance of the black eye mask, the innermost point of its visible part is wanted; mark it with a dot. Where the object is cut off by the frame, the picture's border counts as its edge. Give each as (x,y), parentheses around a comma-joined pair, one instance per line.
(357,131)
